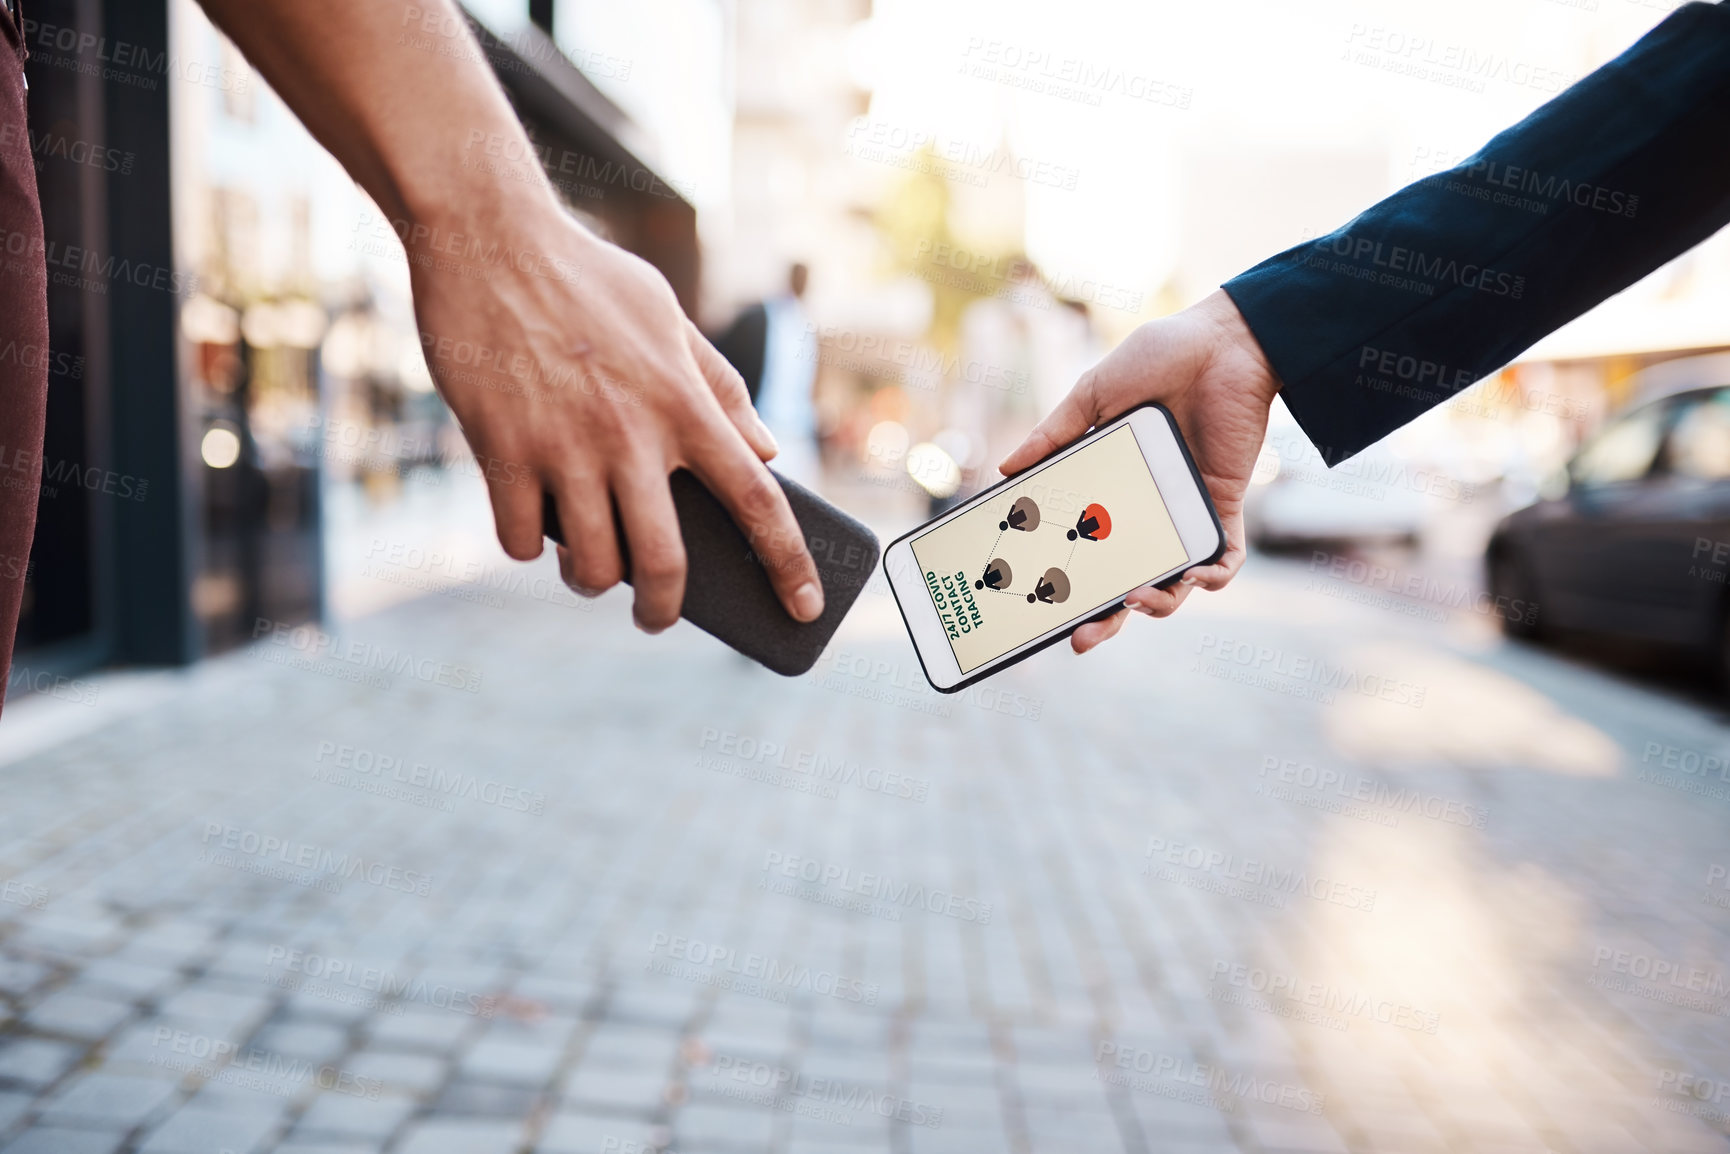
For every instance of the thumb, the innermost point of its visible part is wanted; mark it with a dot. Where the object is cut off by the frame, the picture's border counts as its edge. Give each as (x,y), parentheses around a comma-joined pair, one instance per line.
(1073,416)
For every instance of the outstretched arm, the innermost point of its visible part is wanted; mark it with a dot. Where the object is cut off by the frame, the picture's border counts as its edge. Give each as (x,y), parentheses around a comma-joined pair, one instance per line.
(1435,287)
(1455,275)
(566,360)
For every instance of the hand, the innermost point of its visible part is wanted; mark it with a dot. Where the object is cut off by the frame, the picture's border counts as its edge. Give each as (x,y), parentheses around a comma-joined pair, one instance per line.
(566,360)
(1205,366)
(571,369)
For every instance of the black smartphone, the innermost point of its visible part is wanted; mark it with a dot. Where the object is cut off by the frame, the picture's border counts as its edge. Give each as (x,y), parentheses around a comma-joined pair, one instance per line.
(727,590)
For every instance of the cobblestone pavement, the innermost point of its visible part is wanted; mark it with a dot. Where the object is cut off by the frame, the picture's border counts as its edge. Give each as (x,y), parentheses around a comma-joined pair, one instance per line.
(1303,869)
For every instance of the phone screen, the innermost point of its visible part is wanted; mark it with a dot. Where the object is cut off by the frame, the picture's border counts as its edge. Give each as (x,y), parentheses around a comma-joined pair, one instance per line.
(1059,543)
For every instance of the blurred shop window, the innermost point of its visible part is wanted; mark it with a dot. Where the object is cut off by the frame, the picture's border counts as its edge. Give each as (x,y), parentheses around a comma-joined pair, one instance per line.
(233,266)
(1624,451)
(1700,442)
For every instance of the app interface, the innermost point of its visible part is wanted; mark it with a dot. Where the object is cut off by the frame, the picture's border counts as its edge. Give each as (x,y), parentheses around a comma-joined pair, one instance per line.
(1061,542)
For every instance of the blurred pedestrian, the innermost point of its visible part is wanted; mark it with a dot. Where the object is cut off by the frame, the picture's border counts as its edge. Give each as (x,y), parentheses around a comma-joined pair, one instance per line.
(774,347)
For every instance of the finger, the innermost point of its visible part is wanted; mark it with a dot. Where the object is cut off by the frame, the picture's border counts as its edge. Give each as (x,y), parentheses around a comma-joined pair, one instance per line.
(657,552)
(1072,417)
(1219,574)
(729,388)
(1158,602)
(516,500)
(760,509)
(1087,636)
(589,559)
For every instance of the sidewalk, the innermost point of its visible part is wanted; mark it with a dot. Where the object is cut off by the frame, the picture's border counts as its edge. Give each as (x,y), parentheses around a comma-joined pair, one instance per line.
(486,872)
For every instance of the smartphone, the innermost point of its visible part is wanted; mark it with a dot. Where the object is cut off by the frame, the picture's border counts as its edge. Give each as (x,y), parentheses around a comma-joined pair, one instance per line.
(727,590)
(1022,564)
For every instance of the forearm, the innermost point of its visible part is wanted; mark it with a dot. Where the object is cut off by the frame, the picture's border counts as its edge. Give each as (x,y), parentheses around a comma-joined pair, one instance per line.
(400,95)
(1455,275)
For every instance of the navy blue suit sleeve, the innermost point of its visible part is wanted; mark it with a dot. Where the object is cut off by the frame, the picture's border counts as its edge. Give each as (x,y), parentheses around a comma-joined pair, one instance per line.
(1452,277)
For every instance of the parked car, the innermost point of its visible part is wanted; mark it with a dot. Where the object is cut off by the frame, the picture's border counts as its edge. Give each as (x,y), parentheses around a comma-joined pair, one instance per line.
(1374,498)
(1634,541)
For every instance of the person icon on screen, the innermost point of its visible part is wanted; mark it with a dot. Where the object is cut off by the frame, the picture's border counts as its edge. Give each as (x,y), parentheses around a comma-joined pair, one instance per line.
(997,575)
(1053,588)
(1023,515)
(1094,524)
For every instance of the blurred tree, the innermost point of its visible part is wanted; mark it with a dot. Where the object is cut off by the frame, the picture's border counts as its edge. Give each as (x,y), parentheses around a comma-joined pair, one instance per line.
(914,220)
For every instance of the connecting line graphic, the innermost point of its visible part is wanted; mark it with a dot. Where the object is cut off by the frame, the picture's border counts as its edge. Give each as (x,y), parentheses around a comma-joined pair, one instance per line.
(1053,585)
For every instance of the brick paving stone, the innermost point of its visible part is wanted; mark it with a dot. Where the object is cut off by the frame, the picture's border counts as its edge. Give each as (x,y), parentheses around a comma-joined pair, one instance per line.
(144,1044)
(127,978)
(631,1045)
(515,1063)
(988,1138)
(856,1067)
(340,1007)
(820,1139)
(218,1007)
(1299,1132)
(417,1072)
(420,1029)
(13,1106)
(573,1132)
(333,1115)
(813,1144)
(953,1067)
(36,1062)
(315,1041)
(195,1129)
(237,1091)
(108,1101)
(1068,1127)
(702,1126)
(20,976)
(461,1136)
(537,1027)
(834,1123)
(78,1012)
(641,1088)
(171,942)
(653,1005)
(571,995)
(1055,1080)
(57,1140)
(73,936)
(486,1100)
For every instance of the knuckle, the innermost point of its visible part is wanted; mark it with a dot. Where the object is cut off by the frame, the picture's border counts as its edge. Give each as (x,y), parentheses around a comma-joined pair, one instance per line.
(729,383)
(660,564)
(760,500)
(593,576)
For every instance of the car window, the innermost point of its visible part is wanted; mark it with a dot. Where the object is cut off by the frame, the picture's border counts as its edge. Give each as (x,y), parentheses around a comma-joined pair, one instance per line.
(1624,450)
(1700,440)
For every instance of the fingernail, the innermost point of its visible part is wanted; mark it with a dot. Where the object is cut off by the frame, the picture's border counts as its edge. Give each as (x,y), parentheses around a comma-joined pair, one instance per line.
(774,445)
(808,602)
(1187,581)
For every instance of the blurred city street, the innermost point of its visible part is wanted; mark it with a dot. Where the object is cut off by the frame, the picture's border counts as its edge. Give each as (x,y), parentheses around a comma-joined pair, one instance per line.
(1307,867)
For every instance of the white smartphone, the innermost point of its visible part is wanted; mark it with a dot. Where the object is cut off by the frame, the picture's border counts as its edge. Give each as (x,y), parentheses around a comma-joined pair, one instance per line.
(1019,566)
